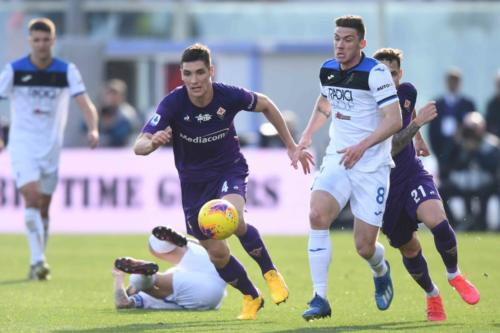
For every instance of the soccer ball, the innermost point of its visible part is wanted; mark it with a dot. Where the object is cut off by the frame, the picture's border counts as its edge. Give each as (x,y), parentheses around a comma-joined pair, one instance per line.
(218,219)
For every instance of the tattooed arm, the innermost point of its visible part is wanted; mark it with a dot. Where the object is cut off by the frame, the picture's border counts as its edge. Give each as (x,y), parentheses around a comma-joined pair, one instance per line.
(404,137)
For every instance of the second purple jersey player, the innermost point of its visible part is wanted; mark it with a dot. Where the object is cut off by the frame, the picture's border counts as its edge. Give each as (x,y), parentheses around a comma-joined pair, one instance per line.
(411,184)
(198,118)
(413,198)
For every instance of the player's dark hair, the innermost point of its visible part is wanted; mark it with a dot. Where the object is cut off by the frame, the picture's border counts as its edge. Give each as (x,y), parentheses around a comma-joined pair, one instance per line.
(197,52)
(389,54)
(42,24)
(352,21)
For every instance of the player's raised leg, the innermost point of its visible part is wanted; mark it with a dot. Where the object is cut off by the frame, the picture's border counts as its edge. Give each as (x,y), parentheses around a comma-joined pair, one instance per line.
(233,272)
(431,212)
(167,244)
(323,210)
(416,265)
(253,244)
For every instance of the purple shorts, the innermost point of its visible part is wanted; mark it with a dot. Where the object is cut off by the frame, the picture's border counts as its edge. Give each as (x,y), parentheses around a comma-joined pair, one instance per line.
(400,217)
(194,196)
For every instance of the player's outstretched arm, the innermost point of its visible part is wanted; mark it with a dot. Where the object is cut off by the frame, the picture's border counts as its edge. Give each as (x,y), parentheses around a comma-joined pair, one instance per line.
(122,301)
(146,143)
(403,137)
(391,123)
(295,152)
(90,114)
(321,113)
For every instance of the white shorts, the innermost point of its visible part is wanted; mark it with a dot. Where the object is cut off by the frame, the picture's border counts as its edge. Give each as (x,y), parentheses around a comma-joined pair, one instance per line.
(191,292)
(366,191)
(196,284)
(28,173)
(197,291)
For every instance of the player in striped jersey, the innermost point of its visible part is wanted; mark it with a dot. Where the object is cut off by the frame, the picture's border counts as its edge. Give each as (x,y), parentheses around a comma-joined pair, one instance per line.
(358,94)
(39,86)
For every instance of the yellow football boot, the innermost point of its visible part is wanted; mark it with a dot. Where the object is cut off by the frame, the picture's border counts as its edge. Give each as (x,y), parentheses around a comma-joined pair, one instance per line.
(277,286)
(250,307)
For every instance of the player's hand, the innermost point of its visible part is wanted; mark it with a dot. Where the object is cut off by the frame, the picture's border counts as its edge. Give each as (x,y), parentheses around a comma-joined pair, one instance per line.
(421,147)
(161,137)
(93,138)
(300,154)
(351,155)
(426,114)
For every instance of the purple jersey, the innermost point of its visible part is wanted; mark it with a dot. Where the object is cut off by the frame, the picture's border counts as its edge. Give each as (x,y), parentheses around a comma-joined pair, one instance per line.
(204,139)
(406,160)
(411,184)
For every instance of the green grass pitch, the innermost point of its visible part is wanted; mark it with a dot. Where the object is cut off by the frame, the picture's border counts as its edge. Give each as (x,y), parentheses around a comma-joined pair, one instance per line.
(79,297)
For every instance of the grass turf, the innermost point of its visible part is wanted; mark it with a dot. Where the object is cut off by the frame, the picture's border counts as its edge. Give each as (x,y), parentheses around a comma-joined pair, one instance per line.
(79,297)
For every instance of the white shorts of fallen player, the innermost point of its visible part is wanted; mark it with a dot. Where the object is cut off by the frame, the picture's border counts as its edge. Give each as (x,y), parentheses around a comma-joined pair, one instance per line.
(196,285)
(366,191)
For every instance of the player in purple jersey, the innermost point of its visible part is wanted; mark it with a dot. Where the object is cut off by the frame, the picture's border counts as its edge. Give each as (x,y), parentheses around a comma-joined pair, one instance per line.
(198,118)
(413,199)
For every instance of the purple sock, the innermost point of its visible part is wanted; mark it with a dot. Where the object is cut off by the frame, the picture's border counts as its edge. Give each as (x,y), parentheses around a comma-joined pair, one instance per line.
(234,274)
(253,244)
(446,244)
(417,267)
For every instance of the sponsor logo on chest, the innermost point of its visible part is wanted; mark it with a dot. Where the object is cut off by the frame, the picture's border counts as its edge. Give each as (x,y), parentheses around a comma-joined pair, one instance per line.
(341,99)
(202,118)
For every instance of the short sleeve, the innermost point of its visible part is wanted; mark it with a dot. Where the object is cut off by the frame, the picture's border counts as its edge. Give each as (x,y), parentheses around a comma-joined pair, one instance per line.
(382,86)
(75,81)
(6,81)
(409,92)
(162,118)
(323,90)
(244,99)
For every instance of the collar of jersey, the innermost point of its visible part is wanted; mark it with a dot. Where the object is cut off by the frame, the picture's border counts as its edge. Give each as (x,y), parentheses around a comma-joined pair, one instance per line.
(355,66)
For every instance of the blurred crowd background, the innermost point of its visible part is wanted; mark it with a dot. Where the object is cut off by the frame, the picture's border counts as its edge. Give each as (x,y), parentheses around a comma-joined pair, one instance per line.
(128,53)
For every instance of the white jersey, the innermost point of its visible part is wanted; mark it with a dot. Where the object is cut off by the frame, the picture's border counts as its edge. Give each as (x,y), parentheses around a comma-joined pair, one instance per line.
(39,105)
(355,96)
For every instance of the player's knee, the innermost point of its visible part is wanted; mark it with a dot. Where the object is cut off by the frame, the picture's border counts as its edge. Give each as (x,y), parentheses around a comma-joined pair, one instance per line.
(32,200)
(435,219)
(219,257)
(142,282)
(365,250)
(242,228)
(409,252)
(44,212)
(318,220)
(411,249)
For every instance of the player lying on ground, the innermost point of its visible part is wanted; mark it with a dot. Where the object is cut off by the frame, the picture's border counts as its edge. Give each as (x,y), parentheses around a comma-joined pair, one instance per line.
(413,198)
(192,284)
